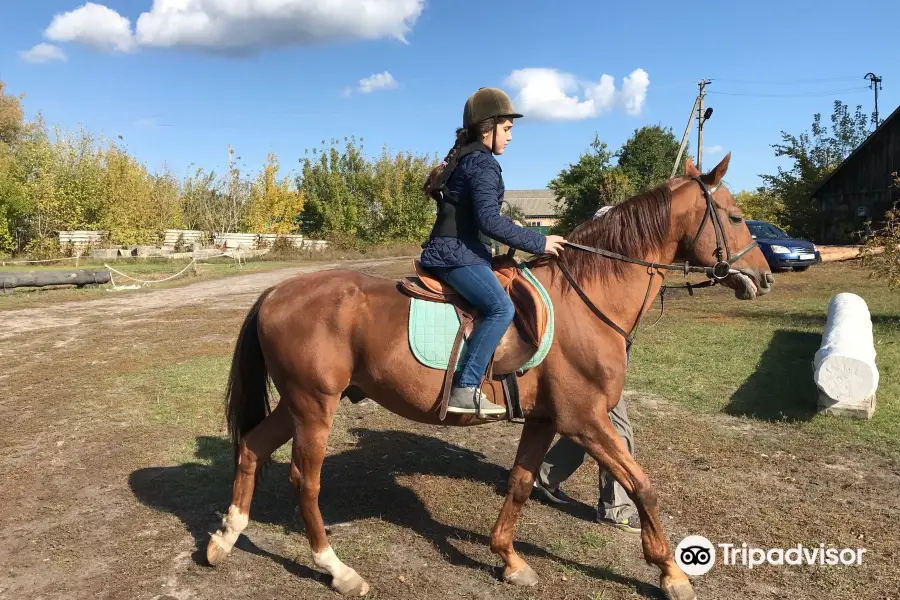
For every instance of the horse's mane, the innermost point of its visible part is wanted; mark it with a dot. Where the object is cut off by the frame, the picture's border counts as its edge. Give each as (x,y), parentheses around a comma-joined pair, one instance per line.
(634,228)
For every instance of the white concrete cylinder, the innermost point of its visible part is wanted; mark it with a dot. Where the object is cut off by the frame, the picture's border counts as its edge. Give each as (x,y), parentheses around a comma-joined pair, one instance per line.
(845,370)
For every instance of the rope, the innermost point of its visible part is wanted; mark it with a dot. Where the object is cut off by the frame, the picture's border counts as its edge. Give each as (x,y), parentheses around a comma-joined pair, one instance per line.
(237,255)
(146,282)
(139,283)
(46,260)
(115,288)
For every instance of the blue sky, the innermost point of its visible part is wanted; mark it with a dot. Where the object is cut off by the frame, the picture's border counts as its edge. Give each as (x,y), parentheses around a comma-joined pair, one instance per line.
(188,79)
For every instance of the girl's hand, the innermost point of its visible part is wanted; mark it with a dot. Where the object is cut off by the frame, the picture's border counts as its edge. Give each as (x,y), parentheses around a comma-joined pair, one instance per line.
(554,244)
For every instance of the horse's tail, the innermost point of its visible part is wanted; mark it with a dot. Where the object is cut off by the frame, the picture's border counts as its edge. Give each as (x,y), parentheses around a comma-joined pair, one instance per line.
(247,392)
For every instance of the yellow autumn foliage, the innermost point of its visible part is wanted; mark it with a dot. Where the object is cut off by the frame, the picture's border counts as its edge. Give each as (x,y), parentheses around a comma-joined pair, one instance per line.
(274,204)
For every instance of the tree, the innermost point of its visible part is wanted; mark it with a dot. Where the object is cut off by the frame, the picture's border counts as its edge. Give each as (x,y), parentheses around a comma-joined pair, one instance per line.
(647,157)
(200,201)
(513,213)
(644,161)
(351,199)
(886,264)
(274,205)
(881,252)
(12,122)
(760,205)
(587,185)
(815,155)
(13,199)
(396,208)
(330,181)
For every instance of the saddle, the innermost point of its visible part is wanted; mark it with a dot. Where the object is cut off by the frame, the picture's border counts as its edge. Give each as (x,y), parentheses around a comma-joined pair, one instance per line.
(531,319)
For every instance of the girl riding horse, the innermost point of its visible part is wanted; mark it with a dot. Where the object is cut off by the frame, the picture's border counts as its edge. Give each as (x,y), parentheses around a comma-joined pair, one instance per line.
(469,189)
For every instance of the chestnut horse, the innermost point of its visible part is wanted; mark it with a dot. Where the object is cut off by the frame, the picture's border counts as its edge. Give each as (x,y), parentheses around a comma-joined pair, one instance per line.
(324,335)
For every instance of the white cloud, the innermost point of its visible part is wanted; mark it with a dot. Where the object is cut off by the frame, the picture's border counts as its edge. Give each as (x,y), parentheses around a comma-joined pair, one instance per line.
(378,81)
(43,53)
(717,149)
(634,91)
(93,25)
(550,94)
(237,26)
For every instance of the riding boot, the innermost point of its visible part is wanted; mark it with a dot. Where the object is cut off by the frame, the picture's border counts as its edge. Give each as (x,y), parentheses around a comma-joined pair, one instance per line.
(463,400)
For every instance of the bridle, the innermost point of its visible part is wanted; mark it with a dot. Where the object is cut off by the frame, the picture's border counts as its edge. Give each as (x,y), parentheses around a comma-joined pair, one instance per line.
(715,274)
(722,268)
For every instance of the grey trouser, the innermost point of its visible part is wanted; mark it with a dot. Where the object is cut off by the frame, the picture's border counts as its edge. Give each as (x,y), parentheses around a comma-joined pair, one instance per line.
(566,456)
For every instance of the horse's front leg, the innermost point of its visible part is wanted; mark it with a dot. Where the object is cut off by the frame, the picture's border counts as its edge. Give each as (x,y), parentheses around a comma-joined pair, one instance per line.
(598,437)
(533,445)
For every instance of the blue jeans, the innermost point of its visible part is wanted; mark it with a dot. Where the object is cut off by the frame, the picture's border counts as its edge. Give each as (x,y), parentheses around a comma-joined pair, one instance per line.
(479,285)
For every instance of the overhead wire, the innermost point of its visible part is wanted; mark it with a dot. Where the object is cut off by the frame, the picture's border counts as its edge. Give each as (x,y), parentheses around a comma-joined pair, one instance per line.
(810,94)
(785,81)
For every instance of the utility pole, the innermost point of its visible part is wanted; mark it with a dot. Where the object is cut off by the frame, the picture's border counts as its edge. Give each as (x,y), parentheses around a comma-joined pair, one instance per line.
(701,119)
(231,203)
(684,138)
(874,82)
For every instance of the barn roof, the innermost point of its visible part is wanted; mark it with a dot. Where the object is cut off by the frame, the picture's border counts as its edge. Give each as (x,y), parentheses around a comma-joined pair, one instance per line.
(884,125)
(534,203)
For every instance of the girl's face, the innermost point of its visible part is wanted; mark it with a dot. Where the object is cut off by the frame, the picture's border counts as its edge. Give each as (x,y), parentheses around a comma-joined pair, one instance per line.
(502,135)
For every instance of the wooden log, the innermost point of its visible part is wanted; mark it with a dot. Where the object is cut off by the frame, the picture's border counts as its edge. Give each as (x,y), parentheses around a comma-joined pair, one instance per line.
(845,370)
(842,253)
(80,277)
(838,253)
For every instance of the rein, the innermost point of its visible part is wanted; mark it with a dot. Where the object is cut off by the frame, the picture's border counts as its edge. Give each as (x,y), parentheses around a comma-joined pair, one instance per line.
(715,274)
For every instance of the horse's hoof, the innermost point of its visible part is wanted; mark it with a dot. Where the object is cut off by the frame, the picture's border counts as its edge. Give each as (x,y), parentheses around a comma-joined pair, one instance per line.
(216,552)
(351,584)
(679,591)
(524,576)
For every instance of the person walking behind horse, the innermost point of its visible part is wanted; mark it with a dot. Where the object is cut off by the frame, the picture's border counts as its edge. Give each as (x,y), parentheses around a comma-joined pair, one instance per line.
(468,189)
(614,507)
(565,457)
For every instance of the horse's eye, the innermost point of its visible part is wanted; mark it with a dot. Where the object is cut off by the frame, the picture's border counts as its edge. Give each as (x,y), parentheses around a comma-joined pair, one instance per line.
(736,219)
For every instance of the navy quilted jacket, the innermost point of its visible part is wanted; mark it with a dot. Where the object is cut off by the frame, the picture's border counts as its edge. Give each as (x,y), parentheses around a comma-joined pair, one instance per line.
(477,180)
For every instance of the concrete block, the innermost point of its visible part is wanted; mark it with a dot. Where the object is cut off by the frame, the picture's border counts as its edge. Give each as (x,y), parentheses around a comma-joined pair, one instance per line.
(105,253)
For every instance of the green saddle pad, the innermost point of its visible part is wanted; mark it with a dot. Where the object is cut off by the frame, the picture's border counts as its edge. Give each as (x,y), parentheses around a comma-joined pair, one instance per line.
(433,327)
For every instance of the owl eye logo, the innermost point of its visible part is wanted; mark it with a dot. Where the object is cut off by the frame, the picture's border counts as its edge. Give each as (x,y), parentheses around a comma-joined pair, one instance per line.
(695,555)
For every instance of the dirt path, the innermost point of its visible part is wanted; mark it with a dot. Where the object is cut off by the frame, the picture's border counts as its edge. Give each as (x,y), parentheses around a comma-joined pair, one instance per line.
(114,469)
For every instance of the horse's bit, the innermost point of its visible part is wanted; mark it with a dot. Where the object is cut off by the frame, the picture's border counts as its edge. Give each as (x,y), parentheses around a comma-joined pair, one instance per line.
(716,273)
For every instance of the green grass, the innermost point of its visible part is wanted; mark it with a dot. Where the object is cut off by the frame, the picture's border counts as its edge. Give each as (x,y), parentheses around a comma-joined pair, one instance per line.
(715,353)
(188,394)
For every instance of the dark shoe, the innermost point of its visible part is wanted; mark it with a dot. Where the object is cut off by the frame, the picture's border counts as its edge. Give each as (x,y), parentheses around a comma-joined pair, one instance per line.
(542,492)
(632,524)
(463,401)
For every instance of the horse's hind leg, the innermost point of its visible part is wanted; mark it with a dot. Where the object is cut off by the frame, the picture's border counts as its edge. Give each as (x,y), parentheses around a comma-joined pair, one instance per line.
(605,446)
(255,448)
(312,418)
(533,445)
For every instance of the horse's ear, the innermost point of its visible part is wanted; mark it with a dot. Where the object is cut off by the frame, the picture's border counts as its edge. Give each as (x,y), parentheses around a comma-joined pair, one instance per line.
(689,169)
(714,177)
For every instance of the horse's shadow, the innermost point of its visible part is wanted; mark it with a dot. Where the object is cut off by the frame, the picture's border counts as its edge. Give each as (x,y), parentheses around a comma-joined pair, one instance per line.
(356,484)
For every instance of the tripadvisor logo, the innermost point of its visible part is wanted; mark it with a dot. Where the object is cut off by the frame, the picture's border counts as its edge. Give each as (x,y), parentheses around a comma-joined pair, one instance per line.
(696,555)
